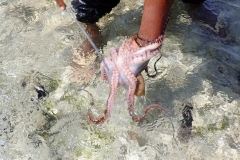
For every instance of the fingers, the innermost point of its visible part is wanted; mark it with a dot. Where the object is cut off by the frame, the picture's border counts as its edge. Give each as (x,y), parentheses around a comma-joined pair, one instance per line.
(61,4)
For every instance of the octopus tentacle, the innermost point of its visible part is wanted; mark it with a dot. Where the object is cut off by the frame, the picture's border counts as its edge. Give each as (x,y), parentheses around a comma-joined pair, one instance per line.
(125,46)
(107,111)
(143,56)
(103,72)
(136,119)
(109,63)
(132,83)
(113,52)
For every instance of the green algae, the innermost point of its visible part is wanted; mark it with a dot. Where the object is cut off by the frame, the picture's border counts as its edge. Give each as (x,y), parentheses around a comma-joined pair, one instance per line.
(53,85)
(97,140)
(199,130)
(48,106)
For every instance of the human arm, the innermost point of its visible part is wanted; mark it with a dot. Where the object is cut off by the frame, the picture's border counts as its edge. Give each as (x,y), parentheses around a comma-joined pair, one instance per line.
(155,13)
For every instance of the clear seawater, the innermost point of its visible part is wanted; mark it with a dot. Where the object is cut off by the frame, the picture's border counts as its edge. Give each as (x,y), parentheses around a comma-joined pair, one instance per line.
(47,85)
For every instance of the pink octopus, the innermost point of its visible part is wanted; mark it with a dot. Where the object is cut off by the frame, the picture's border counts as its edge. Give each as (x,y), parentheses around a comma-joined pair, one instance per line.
(122,68)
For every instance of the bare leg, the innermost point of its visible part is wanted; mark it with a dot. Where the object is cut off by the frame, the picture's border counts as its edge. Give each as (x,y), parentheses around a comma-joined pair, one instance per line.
(94,33)
(83,60)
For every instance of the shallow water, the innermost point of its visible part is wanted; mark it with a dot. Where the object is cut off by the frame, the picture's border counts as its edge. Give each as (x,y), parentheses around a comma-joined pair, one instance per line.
(43,102)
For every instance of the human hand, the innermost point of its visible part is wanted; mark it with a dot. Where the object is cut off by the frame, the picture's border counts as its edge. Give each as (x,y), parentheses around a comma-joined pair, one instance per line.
(61,4)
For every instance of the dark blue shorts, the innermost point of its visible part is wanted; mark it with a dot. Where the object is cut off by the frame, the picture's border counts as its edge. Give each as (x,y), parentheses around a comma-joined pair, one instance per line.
(90,11)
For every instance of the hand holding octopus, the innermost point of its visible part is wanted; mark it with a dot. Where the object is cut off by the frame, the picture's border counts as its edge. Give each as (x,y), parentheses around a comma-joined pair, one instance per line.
(124,65)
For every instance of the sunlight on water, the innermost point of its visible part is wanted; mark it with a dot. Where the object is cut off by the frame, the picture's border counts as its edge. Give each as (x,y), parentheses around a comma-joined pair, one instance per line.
(48,83)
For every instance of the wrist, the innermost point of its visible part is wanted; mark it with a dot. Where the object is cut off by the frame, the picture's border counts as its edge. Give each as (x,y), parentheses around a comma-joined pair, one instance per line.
(142,42)
(139,42)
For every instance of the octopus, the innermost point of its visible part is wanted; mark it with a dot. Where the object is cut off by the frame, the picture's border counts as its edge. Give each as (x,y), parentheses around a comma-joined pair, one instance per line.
(122,67)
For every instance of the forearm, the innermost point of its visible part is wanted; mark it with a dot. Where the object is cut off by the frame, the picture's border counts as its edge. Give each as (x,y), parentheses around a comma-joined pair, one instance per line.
(153,18)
